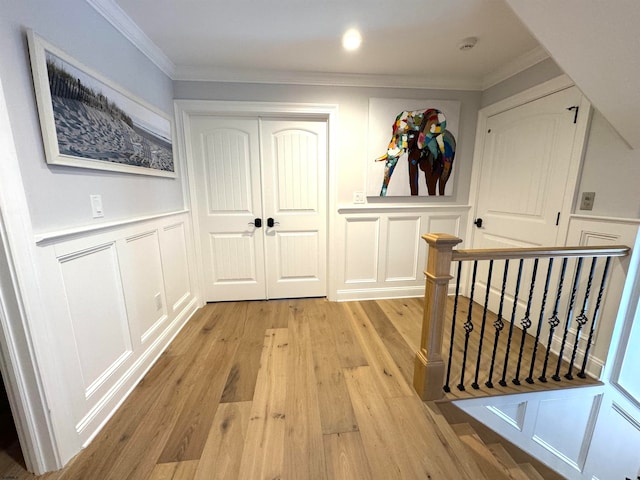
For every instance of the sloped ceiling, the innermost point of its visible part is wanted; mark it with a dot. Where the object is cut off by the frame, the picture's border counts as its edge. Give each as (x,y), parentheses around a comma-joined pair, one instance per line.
(597,43)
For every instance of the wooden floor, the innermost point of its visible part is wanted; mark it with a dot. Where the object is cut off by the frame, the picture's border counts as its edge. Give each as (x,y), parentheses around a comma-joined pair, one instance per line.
(289,389)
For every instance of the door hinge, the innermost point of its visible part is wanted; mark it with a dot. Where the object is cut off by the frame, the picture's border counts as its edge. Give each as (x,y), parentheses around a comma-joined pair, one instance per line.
(575,108)
(558,219)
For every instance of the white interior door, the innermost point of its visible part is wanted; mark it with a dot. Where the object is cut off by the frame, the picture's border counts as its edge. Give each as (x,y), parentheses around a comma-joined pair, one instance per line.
(226,160)
(294,187)
(273,171)
(524,176)
(523,187)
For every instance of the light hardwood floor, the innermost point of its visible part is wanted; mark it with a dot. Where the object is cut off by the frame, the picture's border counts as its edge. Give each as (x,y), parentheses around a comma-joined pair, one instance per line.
(285,389)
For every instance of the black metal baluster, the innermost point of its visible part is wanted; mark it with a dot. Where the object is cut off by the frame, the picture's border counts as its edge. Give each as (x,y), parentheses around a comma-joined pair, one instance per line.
(482,328)
(596,311)
(446,387)
(543,304)
(581,319)
(554,321)
(503,380)
(526,321)
(468,326)
(567,322)
(498,324)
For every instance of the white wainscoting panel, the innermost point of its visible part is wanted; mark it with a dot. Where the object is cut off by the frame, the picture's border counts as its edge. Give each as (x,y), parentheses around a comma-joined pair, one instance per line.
(442,223)
(175,265)
(565,427)
(143,282)
(512,413)
(555,427)
(361,247)
(598,231)
(117,297)
(403,248)
(616,446)
(94,298)
(383,253)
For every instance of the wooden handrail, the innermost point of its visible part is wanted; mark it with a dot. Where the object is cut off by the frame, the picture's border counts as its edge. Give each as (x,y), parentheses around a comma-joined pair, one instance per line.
(429,370)
(538,252)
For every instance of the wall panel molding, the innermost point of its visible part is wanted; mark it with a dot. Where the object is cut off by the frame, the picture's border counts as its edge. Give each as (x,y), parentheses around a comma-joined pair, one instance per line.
(79,232)
(382,250)
(118,296)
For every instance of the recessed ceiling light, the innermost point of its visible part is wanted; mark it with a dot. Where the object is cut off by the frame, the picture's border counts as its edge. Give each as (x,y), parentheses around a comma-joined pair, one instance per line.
(351,39)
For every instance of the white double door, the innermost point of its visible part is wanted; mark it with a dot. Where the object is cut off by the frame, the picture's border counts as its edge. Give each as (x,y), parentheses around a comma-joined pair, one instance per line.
(261,205)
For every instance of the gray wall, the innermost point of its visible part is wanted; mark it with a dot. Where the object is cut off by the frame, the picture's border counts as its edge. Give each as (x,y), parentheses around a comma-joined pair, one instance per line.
(58,196)
(535,75)
(353,118)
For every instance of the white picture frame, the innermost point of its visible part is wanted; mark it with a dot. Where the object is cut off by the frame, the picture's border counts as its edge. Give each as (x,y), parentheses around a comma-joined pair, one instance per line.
(88,121)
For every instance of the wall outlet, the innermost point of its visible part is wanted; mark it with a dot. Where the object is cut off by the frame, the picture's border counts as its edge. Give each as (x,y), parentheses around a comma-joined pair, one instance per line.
(359,197)
(96,206)
(586,203)
(158,299)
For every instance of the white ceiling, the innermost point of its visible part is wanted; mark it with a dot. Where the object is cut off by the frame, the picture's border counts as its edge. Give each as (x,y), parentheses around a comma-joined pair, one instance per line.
(414,40)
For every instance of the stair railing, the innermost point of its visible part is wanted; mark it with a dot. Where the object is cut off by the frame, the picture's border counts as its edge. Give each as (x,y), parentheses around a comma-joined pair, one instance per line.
(550,295)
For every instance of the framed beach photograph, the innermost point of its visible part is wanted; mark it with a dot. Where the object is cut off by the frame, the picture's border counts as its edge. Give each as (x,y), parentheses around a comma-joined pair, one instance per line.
(90,122)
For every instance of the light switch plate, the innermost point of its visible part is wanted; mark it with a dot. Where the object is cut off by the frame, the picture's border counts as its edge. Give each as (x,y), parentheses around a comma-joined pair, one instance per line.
(96,206)
(359,197)
(586,203)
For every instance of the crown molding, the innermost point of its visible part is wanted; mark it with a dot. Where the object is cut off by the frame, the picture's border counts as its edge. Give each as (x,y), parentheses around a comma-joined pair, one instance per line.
(117,17)
(204,74)
(517,65)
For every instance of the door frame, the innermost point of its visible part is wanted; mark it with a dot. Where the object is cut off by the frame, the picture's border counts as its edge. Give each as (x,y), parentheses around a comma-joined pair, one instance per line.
(25,360)
(552,86)
(184,109)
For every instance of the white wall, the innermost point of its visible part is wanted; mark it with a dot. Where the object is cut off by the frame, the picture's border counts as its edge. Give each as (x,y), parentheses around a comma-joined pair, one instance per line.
(370,243)
(612,170)
(58,196)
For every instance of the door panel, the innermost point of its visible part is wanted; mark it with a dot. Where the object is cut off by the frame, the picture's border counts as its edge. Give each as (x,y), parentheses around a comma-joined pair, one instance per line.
(522,187)
(227,178)
(525,164)
(294,185)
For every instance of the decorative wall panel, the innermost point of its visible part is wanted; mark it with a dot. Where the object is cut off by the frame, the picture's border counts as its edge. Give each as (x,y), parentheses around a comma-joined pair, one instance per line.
(94,297)
(402,248)
(175,261)
(362,238)
(143,280)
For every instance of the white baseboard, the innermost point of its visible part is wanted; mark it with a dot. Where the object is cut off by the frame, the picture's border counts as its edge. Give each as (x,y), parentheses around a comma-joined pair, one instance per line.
(355,294)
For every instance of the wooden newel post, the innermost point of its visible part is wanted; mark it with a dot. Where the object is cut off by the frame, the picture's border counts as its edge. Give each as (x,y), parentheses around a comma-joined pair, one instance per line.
(428,375)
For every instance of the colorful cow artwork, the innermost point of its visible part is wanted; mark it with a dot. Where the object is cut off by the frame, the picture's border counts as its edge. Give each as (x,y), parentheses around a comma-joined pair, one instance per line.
(430,147)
